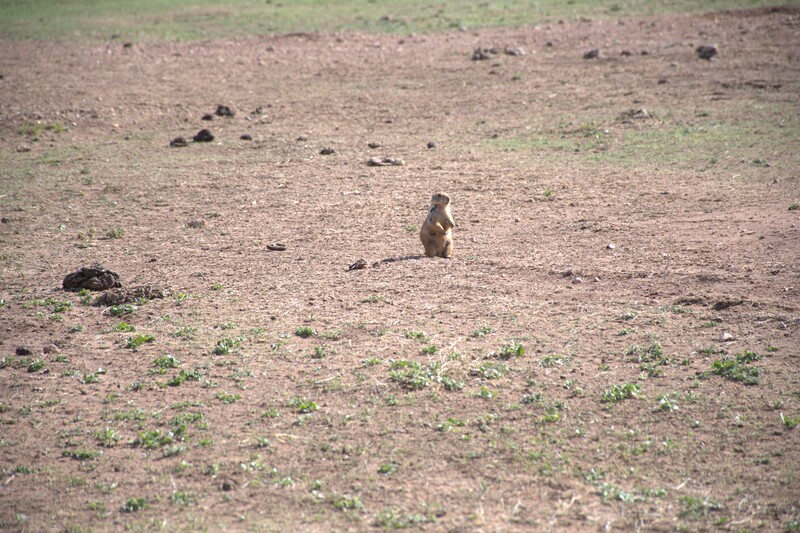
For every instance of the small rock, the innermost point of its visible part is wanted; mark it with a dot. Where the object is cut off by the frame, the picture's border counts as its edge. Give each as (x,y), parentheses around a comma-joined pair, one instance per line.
(514,51)
(23,148)
(204,136)
(178,142)
(5,220)
(246,137)
(276,247)
(596,279)
(258,111)
(662,81)
(224,111)
(196,223)
(385,162)
(727,337)
(302,138)
(577,279)
(23,350)
(611,246)
(706,51)
(207,116)
(50,348)
(227,486)
(626,53)
(127,45)
(431,145)
(327,151)
(373,145)
(480,54)
(594,53)
(358,265)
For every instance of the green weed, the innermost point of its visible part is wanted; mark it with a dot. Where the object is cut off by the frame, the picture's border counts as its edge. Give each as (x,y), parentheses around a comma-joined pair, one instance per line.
(621,392)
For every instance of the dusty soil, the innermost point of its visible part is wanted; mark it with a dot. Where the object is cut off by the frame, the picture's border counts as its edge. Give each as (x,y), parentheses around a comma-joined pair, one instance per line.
(704,244)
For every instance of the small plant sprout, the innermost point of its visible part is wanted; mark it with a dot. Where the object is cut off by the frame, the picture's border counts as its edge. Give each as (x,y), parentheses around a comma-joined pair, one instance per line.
(482,331)
(303,405)
(305,332)
(510,350)
(621,392)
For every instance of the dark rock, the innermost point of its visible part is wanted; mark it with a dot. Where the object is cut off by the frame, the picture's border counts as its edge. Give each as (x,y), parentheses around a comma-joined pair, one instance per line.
(5,220)
(23,350)
(626,53)
(480,54)
(228,486)
(127,45)
(706,51)
(224,111)
(178,142)
(662,81)
(327,151)
(204,136)
(431,145)
(302,138)
(246,137)
(594,53)
(373,145)
(94,278)
(358,265)
(276,247)
(208,116)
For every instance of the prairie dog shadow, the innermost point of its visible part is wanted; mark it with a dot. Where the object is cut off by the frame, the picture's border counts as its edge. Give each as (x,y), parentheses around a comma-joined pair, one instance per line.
(397,259)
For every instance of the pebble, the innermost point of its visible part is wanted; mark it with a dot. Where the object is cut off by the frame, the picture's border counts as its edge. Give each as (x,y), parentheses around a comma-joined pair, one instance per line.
(327,151)
(204,136)
(23,148)
(431,145)
(594,53)
(727,337)
(50,348)
(246,137)
(196,223)
(706,51)
(611,246)
(23,350)
(577,279)
(178,142)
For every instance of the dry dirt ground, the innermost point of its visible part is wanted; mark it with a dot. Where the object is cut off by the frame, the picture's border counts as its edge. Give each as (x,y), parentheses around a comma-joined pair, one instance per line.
(658,388)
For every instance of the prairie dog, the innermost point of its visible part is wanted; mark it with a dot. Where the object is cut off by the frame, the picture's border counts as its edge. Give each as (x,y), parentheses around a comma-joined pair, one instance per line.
(436,233)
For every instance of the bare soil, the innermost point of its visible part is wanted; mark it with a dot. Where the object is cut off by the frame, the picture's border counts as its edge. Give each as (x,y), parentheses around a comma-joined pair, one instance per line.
(608,270)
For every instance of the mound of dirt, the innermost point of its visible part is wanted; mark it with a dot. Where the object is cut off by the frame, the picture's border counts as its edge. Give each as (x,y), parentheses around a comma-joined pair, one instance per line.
(121,296)
(96,278)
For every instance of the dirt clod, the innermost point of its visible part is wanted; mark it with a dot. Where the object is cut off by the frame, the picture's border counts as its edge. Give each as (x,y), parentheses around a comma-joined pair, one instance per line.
(178,142)
(207,116)
(196,223)
(431,145)
(121,296)
(23,351)
(203,136)
(706,51)
(594,53)
(385,162)
(246,137)
(327,151)
(96,278)
(224,111)
(373,145)
(358,265)
(23,148)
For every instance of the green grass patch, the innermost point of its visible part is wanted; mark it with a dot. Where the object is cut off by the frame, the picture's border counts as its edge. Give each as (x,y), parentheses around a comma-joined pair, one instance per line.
(180,20)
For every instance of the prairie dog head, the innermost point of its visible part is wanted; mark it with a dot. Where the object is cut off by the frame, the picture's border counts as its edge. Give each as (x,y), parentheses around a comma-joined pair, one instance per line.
(440,200)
